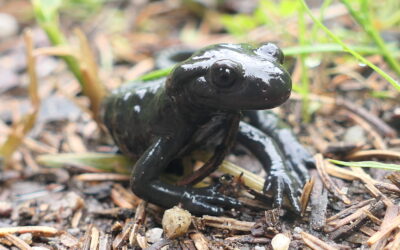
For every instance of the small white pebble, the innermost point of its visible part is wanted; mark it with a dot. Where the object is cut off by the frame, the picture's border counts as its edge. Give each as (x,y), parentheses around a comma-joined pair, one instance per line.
(259,248)
(280,242)
(176,222)
(154,235)
(297,230)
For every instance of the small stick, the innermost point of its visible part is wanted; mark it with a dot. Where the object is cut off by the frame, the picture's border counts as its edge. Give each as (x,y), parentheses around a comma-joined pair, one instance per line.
(349,210)
(315,243)
(384,231)
(102,177)
(329,184)
(200,241)
(140,215)
(17,242)
(346,230)
(390,215)
(94,241)
(227,223)
(36,230)
(375,153)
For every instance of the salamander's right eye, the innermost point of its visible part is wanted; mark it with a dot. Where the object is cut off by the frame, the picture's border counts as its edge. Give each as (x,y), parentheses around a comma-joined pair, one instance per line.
(224,73)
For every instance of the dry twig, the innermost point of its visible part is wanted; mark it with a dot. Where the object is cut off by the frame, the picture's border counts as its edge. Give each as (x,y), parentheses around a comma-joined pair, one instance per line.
(329,184)
(315,243)
(227,223)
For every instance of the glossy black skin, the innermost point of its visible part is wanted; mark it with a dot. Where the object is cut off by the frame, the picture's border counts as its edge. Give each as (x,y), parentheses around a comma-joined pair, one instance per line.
(162,120)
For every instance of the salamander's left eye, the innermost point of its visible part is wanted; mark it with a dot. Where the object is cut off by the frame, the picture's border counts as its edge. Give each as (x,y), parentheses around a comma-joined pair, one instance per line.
(224,73)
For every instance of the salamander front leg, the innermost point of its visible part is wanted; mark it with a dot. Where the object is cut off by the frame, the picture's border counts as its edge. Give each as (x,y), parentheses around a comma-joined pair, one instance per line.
(268,122)
(146,184)
(282,181)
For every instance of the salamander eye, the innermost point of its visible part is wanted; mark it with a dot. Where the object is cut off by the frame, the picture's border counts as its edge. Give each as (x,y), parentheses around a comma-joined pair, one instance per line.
(224,73)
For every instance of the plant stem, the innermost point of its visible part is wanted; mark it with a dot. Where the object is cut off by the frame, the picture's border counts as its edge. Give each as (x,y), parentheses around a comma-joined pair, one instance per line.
(57,38)
(304,72)
(366,23)
(346,48)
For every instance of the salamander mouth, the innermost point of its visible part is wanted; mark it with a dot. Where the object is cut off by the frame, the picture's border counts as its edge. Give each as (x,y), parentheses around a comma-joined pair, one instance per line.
(275,102)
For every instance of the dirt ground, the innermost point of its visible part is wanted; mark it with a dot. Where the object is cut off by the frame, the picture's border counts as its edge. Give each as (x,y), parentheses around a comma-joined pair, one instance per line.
(77,206)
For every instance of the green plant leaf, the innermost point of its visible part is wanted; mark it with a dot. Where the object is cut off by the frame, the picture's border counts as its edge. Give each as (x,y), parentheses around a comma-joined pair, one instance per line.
(105,162)
(367,164)
(155,74)
(46,10)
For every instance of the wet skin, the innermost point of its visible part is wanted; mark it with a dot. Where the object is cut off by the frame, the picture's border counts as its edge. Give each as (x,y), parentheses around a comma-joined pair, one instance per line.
(200,103)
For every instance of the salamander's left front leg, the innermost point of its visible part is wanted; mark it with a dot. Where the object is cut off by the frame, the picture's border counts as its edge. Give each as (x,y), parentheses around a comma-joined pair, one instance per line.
(282,181)
(268,122)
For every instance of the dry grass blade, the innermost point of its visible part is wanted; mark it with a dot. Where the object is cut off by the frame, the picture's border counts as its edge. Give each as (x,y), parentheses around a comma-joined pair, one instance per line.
(54,51)
(140,215)
(395,244)
(76,218)
(248,239)
(370,185)
(394,178)
(346,174)
(349,210)
(305,195)
(315,243)
(36,230)
(85,241)
(359,174)
(21,128)
(68,240)
(102,177)
(88,162)
(17,242)
(361,218)
(340,172)
(94,242)
(121,238)
(390,215)
(384,231)
(227,223)
(382,154)
(335,224)
(329,184)
(249,179)
(123,198)
(200,241)
(92,88)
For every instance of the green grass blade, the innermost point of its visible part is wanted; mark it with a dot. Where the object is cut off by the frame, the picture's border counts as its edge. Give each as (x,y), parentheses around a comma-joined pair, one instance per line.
(368,164)
(155,74)
(102,161)
(333,47)
(346,48)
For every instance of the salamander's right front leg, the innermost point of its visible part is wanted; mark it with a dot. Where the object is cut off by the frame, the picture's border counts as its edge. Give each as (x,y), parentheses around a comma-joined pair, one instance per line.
(146,184)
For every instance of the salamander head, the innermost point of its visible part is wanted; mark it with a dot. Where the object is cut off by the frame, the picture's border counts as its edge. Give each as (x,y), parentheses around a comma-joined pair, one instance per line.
(232,77)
